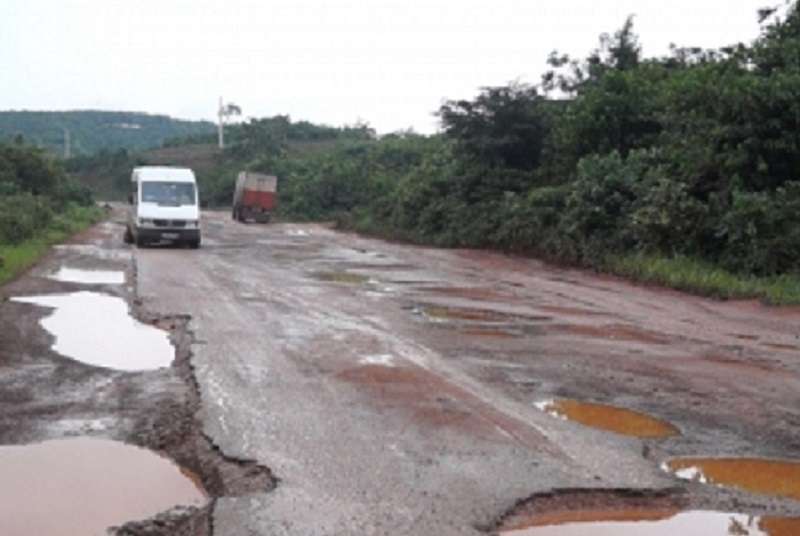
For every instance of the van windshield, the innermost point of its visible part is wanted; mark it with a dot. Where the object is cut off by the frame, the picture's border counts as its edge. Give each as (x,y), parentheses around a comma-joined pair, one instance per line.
(168,193)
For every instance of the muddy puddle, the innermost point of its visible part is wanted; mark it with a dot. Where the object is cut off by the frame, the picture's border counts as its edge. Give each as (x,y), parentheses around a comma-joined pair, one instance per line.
(341,277)
(83,486)
(766,477)
(89,277)
(656,523)
(98,329)
(609,418)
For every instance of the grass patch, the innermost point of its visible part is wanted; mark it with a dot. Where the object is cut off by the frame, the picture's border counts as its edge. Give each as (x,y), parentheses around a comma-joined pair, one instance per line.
(699,277)
(15,259)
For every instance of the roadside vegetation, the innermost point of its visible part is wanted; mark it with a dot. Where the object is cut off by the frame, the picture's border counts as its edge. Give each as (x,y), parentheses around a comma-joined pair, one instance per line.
(39,206)
(682,170)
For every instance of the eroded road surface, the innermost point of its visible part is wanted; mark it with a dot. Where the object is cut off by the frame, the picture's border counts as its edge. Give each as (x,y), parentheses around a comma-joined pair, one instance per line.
(392,389)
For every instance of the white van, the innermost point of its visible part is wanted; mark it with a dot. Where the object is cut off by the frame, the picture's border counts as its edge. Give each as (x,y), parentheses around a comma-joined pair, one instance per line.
(164,206)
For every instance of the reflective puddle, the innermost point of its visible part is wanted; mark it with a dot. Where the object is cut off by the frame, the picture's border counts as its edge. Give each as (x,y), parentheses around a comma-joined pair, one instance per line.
(97,329)
(656,523)
(89,277)
(83,486)
(609,418)
(767,477)
(341,277)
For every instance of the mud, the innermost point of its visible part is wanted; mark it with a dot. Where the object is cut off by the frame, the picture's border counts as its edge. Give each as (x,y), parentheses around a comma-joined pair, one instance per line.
(613,419)
(45,396)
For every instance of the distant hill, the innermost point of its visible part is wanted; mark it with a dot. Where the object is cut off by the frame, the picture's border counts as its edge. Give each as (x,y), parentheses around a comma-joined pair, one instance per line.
(92,131)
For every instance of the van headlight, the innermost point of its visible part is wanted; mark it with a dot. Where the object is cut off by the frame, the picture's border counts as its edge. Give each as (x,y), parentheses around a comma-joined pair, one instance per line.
(143,222)
(192,224)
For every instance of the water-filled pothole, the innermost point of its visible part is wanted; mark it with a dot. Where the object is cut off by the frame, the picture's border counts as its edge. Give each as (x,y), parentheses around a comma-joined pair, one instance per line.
(89,277)
(83,486)
(341,277)
(767,477)
(656,523)
(609,418)
(98,329)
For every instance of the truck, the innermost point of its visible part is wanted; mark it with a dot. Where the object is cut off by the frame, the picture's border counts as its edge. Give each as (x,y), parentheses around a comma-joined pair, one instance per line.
(255,197)
(163,206)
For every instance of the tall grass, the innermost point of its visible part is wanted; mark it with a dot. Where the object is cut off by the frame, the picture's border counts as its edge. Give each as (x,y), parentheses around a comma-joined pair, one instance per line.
(699,277)
(15,259)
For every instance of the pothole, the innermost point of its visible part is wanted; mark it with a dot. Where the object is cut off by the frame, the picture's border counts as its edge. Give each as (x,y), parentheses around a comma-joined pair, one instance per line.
(490,333)
(609,418)
(631,513)
(341,277)
(656,523)
(98,329)
(614,332)
(89,277)
(444,313)
(766,477)
(87,485)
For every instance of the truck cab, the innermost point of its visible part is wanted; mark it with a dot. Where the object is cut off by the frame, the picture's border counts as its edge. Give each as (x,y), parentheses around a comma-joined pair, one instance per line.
(163,206)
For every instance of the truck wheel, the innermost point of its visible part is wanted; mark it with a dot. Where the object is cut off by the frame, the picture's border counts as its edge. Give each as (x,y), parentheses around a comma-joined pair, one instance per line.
(128,237)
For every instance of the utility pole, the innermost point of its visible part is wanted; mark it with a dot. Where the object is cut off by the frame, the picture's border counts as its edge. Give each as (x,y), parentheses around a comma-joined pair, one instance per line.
(67,148)
(225,110)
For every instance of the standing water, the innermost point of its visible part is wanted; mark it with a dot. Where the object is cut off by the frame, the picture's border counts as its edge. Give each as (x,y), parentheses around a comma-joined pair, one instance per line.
(84,486)
(98,329)
(89,277)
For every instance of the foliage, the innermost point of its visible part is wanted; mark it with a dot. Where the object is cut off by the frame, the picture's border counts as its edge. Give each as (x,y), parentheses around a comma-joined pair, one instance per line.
(18,257)
(91,131)
(34,191)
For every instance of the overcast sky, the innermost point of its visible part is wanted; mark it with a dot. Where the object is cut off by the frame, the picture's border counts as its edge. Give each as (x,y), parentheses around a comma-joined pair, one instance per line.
(387,62)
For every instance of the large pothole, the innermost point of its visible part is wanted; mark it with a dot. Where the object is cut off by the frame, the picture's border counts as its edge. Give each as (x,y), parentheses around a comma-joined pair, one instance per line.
(632,513)
(87,485)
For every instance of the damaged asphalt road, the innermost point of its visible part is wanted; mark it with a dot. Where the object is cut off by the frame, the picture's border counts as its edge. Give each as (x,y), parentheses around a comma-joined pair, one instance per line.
(326,383)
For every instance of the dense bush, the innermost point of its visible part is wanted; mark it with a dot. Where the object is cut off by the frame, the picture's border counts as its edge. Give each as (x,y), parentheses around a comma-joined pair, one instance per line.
(34,190)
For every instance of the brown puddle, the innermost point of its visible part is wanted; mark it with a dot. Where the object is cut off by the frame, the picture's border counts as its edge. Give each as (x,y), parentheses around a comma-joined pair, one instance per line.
(609,418)
(642,522)
(470,293)
(341,277)
(440,312)
(83,486)
(767,477)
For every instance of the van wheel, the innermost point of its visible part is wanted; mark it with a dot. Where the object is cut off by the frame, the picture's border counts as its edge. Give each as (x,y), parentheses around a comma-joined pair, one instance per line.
(194,244)
(128,237)
(140,242)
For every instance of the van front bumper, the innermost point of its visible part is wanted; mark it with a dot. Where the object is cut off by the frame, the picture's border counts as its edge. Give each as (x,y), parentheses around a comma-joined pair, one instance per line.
(172,235)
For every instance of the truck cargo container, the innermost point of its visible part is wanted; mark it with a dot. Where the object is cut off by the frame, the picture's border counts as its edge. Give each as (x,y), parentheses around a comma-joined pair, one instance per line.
(255,197)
